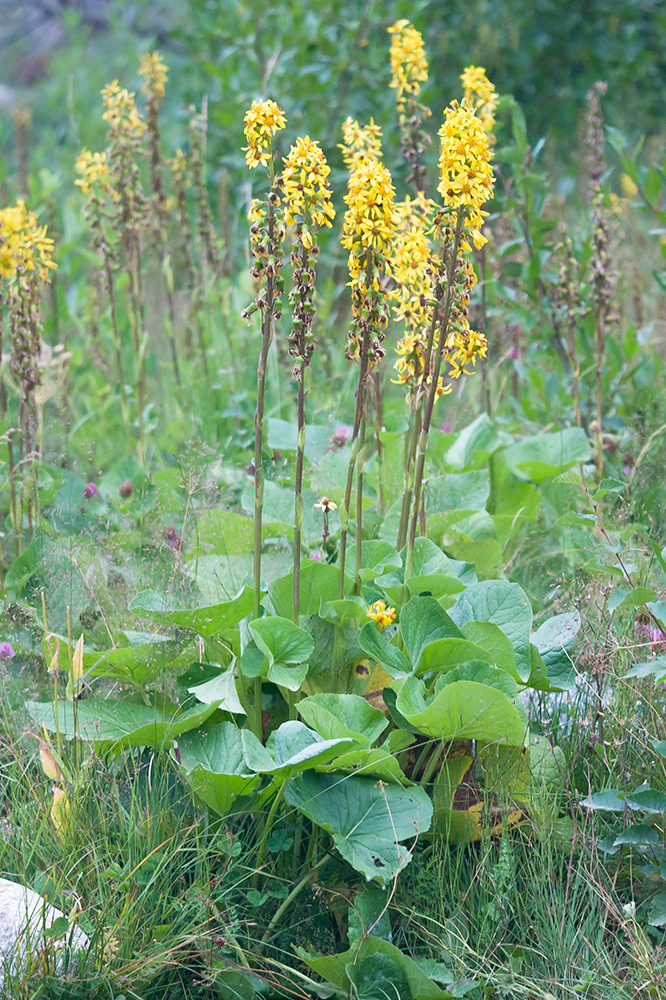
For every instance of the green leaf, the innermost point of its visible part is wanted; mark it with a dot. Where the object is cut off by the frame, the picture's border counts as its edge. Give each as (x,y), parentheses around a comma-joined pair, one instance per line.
(220,689)
(103,720)
(638,835)
(338,715)
(650,668)
(366,820)
(376,761)
(553,640)
(547,455)
(207,621)
(422,621)
(505,605)
(429,559)
(621,598)
(611,800)
(378,977)
(333,968)
(222,532)
(474,444)
(647,800)
(368,914)
(377,557)
(444,654)
(496,644)
(462,709)
(281,640)
(140,664)
(319,581)
(658,911)
(292,748)
(212,762)
(434,585)
(377,646)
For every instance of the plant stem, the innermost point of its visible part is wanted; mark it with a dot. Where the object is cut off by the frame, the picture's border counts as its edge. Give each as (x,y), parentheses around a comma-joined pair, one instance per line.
(296,891)
(266,337)
(268,826)
(380,451)
(432,395)
(360,469)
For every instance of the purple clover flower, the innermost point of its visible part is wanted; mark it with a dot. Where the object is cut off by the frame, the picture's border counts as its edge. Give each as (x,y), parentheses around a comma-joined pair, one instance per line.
(6,651)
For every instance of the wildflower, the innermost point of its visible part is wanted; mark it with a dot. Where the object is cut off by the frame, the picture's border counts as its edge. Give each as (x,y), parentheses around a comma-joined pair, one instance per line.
(466,175)
(125,489)
(154,73)
(381,614)
(409,65)
(120,112)
(360,142)
(93,169)
(90,492)
(305,184)
(341,437)
(480,94)
(24,245)
(326,505)
(262,121)
(6,651)
(629,188)
(172,538)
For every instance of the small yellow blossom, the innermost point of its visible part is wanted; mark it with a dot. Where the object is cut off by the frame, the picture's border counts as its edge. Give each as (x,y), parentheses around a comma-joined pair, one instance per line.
(360,142)
(93,168)
(262,121)
(369,221)
(307,193)
(466,174)
(629,188)
(154,73)
(381,614)
(409,66)
(480,94)
(23,243)
(121,113)
(326,505)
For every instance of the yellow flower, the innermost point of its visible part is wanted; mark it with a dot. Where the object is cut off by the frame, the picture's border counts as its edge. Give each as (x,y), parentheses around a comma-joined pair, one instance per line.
(629,188)
(23,243)
(93,168)
(154,72)
(381,614)
(305,183)
(369,221)
(466,175)
(409,66)
(360,142)
(120,112)
(326,505)
(179,168)
(262,121)
(480,94)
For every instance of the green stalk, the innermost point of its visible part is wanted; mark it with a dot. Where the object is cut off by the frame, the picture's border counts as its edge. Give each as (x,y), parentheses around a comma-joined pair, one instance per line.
(266,337)
(298,482)
(359,505)
(380,451)
(268,826)
(432,396)
(284,906)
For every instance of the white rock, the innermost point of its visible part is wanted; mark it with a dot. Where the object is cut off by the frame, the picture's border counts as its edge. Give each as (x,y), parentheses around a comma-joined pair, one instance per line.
(24,917)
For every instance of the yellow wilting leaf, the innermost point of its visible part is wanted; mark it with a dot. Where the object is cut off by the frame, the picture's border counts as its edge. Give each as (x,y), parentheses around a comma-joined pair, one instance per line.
(59,809)
(76,670)
(50,765)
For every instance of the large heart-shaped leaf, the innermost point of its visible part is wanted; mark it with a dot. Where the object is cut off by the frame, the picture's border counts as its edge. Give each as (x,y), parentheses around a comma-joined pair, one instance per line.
(281,640)
(292,748)
(367,820)
(213,764)
(103,720)
(207,621)
(422,621)
(474,444)
(505,605)
(220,689)
(319,581)
(462,709)
(547,455)
(377,557)
(376,644)
(338,715)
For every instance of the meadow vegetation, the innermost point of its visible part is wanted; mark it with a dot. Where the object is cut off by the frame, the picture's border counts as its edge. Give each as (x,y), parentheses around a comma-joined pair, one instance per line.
(333,553)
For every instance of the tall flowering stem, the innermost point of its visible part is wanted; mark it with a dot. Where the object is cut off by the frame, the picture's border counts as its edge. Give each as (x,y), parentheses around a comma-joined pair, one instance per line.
(367,234)
(262,121)
(409,69)
(308,206)
(25,264)
(465,185)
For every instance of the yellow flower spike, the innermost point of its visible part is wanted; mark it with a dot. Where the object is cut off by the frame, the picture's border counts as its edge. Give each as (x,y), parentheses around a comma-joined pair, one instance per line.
(93,169)
(480,94)
(121,113)
(24,244)
(262,121)
(307,193)
(360,142)
(409,66)
(381,614)
(154,73)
